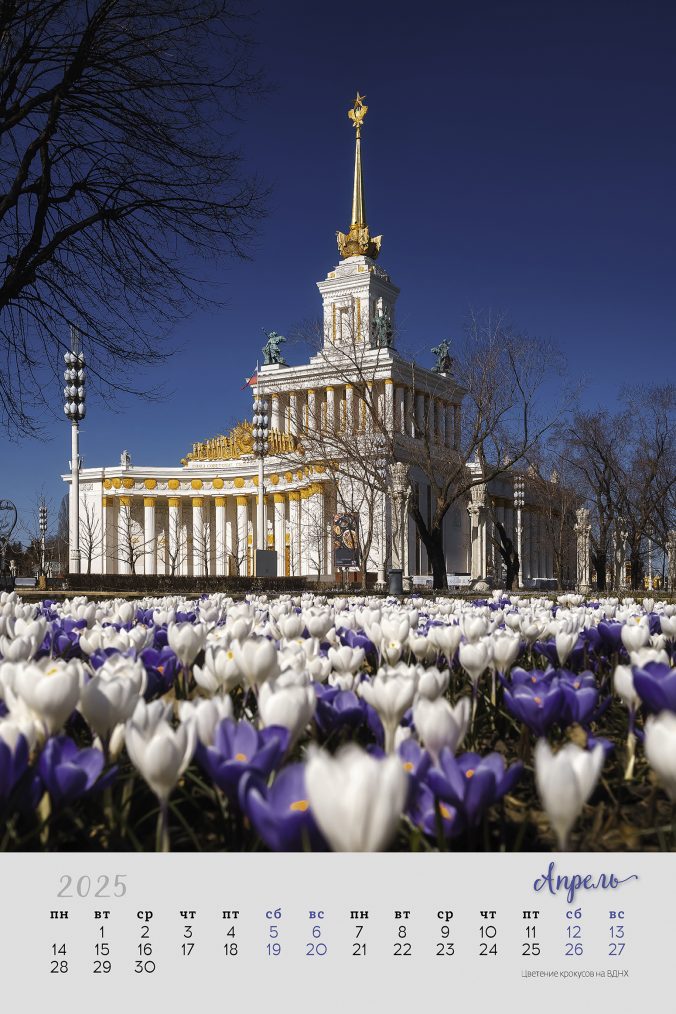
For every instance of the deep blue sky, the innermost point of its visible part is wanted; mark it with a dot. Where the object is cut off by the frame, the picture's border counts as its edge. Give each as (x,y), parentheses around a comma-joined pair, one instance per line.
(519,156)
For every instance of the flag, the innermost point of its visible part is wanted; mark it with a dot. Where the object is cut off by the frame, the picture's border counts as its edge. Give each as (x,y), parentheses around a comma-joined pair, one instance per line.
(250,381)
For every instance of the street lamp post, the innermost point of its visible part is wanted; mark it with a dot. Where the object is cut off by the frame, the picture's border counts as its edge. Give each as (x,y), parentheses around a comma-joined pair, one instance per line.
(74,408)
(380,447)
(43,535)
(261,433)
(519,501)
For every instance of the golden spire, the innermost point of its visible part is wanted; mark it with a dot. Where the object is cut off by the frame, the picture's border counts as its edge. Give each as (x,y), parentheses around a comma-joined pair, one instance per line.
(358,241)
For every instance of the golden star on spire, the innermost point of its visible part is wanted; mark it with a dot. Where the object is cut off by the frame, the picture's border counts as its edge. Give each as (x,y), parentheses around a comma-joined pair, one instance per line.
(358,112)
(358,241)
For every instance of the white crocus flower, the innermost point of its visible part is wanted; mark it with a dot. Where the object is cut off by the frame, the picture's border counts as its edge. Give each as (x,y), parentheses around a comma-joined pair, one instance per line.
(107,701)
(565,642)
(623,682)
(356,799)
(439,725)
(158,751)
(642,656)
(473,627)
(660,749)
(186,640)
(505,649)
(256,659)
(220,672)
(346,659)
(289,706)
(475,659)
(50,688)
(123,667)
(446,639)
(565,781)
(206,714)
(432,682)
(635,636)
(391,696)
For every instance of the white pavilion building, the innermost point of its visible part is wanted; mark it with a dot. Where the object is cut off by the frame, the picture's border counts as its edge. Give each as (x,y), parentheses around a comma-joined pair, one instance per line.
(336,423)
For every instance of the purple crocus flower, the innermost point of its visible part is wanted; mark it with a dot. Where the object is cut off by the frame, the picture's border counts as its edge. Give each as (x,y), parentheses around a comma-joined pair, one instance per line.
(529,677)
(162,667)
(611,635)
(655,683)
(422,812)
(415,760)
(538,705)
(336,708)
(238,748)
(280,813)
(472,783)
(580,697)
(354,639)
(68,772)
(13,764)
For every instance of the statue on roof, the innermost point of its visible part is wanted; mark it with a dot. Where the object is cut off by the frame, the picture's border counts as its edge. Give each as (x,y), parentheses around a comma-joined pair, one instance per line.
(271,354)
(382,329)
(444,363)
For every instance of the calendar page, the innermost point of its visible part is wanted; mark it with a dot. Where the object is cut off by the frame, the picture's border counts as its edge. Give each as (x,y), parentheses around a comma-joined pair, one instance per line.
(399,931)
(396,802)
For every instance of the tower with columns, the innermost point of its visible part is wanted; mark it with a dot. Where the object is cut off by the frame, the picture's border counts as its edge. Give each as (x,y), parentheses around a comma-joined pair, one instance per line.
(331,418)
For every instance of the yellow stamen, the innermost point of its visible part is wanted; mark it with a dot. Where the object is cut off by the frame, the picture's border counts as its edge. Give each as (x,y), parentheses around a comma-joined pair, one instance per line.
(240,757)
(445,812)
(538,700)
(408,766)
(469,772)
(300,804)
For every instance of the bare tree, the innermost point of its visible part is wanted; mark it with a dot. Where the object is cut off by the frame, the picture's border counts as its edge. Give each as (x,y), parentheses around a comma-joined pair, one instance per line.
(116,170)
(624,463)
(501,374)
(91,534)
(131,545)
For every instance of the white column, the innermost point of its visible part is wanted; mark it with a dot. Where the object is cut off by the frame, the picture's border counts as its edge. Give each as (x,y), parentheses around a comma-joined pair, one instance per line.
(275,415)
(349,408)
(242,533)
(441,423)
(431,421)
(293,412)
(448,426)
(387,420)
(221,554)
(280,532)
(294,521)
(312,418)
(198,540)
(107,535)
(330,409)
(230,532)
(419,415)
(149,539)
(399,410)
(174,503)
(124,534)
(319,507)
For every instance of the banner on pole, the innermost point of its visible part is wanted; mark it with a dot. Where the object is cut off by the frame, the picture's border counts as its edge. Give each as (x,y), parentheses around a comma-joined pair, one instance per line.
(346,539)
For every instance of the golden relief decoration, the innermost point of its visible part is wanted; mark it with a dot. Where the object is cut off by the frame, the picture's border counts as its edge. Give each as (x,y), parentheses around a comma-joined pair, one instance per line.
(238,443)
(358,241)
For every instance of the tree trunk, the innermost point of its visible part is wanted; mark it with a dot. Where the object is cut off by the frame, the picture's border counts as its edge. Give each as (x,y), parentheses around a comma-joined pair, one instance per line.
(434,544)
(600,561)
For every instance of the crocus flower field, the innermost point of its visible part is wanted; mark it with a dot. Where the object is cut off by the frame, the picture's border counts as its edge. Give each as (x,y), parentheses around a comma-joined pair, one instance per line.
(351,724)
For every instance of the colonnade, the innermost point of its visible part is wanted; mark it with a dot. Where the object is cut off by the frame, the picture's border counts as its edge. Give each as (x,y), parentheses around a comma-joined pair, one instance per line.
(537,551)
(352,408)
(214,535)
